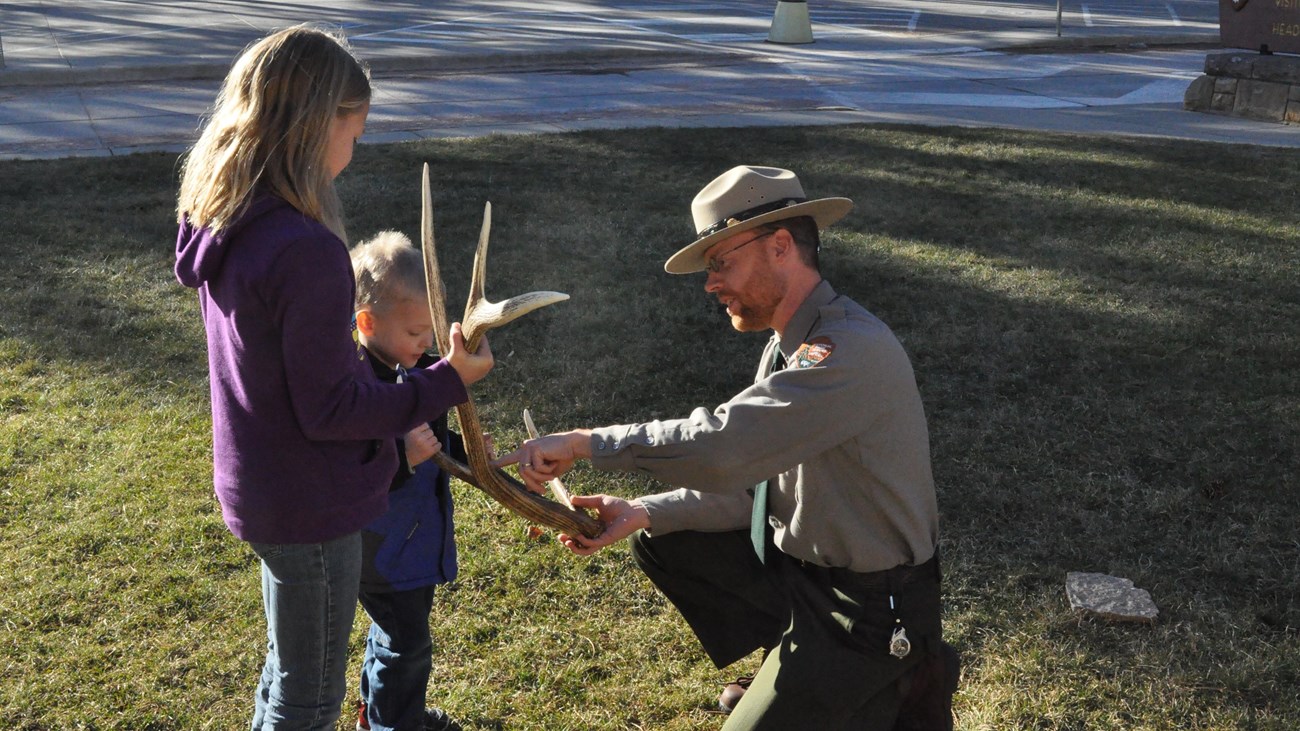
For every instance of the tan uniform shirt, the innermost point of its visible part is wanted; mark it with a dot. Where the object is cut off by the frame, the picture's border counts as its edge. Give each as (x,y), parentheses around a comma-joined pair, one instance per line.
(841,428)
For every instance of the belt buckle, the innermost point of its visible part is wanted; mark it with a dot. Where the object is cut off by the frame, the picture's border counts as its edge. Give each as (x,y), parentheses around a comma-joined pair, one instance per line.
(899,645)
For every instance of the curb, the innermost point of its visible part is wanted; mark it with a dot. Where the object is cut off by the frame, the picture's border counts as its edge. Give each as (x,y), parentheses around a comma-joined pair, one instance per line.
(379,66)
(1105,42)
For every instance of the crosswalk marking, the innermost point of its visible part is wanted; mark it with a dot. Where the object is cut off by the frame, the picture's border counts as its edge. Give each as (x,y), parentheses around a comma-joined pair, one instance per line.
(1115,13)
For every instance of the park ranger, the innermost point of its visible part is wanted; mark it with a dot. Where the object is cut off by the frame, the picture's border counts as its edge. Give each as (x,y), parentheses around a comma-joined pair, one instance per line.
(806,522)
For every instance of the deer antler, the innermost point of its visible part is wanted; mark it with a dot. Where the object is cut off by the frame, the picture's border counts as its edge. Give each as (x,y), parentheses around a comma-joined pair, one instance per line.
(480,316)
(558,489)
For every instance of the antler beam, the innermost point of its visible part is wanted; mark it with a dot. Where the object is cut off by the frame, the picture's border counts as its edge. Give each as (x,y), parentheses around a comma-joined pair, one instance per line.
(481,316)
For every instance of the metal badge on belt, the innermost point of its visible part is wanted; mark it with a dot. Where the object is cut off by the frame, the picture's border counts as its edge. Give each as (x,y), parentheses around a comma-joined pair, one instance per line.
(899,645)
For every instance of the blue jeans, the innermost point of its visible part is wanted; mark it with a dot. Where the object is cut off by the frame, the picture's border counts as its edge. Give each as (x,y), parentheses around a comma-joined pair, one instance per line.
(399,658)
(310,594)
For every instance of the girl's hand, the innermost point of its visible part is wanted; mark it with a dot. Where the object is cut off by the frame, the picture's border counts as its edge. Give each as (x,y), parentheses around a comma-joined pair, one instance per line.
(471,367)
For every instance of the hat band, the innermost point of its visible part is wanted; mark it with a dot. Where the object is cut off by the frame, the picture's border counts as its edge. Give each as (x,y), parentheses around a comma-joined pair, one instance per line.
(748,214)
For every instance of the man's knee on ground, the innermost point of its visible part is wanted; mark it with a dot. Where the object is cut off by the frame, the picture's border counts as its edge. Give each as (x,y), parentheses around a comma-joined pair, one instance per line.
(642,551)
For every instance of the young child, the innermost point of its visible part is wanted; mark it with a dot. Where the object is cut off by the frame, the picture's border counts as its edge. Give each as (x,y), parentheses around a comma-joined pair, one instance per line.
(302,431)
(412,548)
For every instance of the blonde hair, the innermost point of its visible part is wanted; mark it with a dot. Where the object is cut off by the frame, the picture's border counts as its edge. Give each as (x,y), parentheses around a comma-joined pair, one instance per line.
(388,269)
(270,128)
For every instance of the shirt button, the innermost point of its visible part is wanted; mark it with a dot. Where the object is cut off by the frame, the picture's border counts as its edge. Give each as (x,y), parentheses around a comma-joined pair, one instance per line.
(649,440)
(615,444)
(600,446)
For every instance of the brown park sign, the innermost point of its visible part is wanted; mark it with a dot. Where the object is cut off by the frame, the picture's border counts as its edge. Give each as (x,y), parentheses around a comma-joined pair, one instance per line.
(1255,23)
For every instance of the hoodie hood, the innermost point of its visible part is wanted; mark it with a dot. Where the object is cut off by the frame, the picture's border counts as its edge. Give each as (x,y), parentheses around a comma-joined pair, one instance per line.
(201,252)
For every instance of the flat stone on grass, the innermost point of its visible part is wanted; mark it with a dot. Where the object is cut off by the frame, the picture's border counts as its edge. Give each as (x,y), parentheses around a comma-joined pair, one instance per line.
(1109,597)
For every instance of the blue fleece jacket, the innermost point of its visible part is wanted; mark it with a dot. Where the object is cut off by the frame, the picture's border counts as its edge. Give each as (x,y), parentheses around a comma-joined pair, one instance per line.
(413,544)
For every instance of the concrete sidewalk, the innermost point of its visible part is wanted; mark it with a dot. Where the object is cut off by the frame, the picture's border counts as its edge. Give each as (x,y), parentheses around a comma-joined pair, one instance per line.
(105,41)
(110,77)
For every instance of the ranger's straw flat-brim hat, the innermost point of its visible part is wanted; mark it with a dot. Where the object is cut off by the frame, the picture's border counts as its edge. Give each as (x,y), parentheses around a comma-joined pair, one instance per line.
(747,197)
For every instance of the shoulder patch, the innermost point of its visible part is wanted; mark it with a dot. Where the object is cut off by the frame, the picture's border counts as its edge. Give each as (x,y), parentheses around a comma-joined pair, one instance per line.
(813,352)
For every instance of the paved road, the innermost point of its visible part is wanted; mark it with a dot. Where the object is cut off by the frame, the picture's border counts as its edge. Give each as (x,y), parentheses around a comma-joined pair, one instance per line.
(102,77)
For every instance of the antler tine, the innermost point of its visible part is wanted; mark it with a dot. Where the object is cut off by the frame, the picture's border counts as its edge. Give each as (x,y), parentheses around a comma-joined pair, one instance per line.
(432,276)
(497,484)
(478,278)
(482,315)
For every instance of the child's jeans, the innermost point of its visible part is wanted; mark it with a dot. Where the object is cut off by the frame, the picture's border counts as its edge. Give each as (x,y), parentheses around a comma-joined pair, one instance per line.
(309,591)
(399,658)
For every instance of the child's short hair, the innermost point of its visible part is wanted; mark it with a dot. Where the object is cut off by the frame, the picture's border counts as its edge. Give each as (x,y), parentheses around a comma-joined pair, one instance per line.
(388,269)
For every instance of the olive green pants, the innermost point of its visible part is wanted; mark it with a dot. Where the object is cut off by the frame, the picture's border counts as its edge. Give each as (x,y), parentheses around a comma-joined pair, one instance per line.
(829,631)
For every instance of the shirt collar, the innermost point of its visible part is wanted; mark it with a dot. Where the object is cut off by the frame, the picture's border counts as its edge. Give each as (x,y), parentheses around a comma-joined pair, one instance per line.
(804,318)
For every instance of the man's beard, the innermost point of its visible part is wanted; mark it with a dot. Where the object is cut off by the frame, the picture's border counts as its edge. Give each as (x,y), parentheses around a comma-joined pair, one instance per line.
(750,318)
(754,312)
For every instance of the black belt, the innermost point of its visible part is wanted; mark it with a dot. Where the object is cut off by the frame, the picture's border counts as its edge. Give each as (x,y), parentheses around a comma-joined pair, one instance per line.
(886,580)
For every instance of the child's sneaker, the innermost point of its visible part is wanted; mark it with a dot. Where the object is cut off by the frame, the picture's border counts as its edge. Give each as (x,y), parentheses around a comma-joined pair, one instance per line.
(435,719)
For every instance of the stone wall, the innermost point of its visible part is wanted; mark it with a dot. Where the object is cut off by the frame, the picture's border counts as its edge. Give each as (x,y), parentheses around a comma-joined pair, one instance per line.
(1248,84)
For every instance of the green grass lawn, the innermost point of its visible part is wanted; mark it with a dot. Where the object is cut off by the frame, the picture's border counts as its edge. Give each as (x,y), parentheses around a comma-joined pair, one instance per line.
(1104,331)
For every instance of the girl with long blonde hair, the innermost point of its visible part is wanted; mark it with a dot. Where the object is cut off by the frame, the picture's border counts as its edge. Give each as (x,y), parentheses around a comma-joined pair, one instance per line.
(303,432)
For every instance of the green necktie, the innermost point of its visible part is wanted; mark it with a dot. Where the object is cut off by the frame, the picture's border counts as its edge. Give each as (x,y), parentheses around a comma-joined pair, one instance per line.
(758,518)
(758,522)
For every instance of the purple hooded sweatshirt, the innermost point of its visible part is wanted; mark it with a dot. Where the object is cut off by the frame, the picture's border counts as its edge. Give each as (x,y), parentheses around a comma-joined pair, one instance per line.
(303,433)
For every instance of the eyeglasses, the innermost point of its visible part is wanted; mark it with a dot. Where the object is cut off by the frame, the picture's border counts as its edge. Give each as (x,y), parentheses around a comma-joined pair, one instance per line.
(716,265)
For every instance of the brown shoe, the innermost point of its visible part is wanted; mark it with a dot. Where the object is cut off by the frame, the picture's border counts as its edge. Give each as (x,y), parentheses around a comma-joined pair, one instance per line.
(732,693)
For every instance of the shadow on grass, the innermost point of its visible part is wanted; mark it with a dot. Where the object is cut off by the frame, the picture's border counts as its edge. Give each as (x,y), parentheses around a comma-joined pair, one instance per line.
(88,281)
(1102,330)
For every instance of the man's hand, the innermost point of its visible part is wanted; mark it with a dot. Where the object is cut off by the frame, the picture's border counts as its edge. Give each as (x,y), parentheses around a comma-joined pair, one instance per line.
(622,518)
(420,444)
(544,459)
(471,367)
